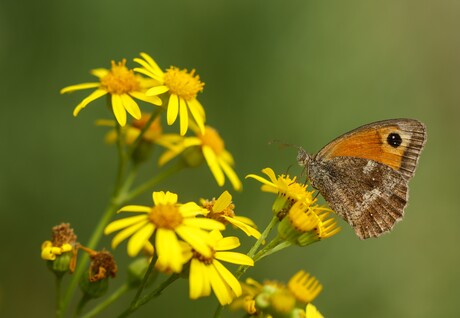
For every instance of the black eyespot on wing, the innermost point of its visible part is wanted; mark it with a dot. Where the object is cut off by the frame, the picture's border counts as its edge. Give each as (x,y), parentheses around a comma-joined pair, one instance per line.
(394,140)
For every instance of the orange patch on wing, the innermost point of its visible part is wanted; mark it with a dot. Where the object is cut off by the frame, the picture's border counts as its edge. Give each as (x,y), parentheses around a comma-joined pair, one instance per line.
(369,144)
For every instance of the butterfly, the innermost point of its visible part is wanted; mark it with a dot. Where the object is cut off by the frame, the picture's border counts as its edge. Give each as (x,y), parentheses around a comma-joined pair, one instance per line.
(364,173)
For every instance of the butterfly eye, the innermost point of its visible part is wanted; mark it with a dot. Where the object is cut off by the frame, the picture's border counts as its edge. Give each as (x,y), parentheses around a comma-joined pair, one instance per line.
(394,140)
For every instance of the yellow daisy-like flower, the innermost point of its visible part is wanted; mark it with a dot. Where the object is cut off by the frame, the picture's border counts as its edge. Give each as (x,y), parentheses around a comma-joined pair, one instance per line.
(273,299)
(122,85)
(207,272)
(181,86)
(284,186)
(305,224)
(304,286)
(222,211)
(210,146)
(166,220)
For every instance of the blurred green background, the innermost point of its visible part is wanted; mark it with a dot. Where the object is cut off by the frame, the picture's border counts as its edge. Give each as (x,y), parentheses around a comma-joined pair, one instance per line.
(301,71)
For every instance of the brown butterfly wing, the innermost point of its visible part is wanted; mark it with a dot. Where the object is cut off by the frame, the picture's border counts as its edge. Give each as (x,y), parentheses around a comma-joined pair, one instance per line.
(371,142)
(364,173)
(371,203)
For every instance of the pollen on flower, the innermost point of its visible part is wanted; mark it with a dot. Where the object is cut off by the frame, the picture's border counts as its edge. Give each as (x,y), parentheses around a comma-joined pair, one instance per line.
(212,139)
(120,80)
(182,83)
(166,216)
(203,259)
(218,216)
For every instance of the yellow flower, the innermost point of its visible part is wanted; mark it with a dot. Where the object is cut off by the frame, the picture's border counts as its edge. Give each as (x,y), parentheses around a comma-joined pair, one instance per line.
(274,299)
(305,224)
(209,146)
(122,85)
(304,286)
(222,211)
(207,272)
(288,190)
(166,220)
(182,87)
(61,250)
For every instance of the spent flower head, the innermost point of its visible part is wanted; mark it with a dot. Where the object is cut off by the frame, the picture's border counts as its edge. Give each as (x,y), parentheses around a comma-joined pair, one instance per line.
(61,250)
(208,273)
(165,222)
(181,87)
(208,146)
(122,85)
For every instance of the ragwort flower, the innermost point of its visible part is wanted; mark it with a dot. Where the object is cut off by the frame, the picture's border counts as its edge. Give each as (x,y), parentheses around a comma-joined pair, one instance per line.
(181,86)
(167,220)
(288,190)
(222,211)
(207,272)
(208,145)
(122,85)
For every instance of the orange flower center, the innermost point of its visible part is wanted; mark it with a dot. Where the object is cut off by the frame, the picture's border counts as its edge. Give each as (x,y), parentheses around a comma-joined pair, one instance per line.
(120,80)
(212,139)
(202,259)
(183,84)
(166,216)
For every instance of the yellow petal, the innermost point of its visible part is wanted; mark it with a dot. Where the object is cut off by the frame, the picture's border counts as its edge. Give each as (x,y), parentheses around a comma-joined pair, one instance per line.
(168,250)
(138,240)
(191,209)
(173,109)
(135,208)
(155,100)
(131,106)
(199,284)
(213,165)
(222,202)
(122,223)
(204,223)
(157,90)
(118,110)
(94,95)
(234,258)
(123,235)
(183,116)
(197,112)
(228,277)
(246,228)
(77,87)
(227,243)
(228,170)
(100,72)
(198,239)
(218,285)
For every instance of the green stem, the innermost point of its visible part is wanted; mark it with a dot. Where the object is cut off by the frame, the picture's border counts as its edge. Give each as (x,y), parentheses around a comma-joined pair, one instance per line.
(155,293)
(109,300)
(242,269)
(276,245)
(144,281)
(58,296)
(83,301)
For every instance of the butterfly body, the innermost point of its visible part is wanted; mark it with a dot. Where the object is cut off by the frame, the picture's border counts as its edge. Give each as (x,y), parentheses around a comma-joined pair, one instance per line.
(364,174)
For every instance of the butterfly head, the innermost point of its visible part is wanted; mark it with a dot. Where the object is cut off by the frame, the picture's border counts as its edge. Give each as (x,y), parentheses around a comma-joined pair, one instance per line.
(303,158)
